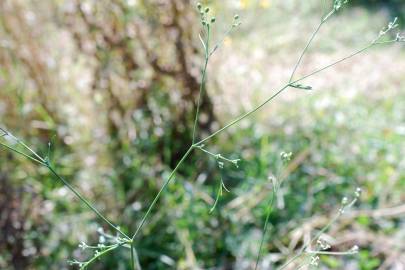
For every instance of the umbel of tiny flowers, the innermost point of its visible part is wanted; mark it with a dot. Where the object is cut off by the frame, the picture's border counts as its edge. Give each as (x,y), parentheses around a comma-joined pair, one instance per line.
(207,23)
(204,15)
(400,38)
(389,28)
(205,38)
(337,4)
(285,157)
(314,260)
(102,248)
(106,244)
(323,245)
(236,21)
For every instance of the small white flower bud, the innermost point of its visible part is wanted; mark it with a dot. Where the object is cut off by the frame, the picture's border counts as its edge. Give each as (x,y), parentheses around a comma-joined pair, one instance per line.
(345,200)
(83,245)
(357,193)
(354,249)
(314,260)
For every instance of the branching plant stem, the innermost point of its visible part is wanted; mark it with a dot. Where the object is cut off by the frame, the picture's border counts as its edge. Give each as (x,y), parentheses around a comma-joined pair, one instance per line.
(206,45)
(33,156)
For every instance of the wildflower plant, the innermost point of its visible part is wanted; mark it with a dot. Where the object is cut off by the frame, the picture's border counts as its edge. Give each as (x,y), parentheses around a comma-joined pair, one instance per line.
(109,242)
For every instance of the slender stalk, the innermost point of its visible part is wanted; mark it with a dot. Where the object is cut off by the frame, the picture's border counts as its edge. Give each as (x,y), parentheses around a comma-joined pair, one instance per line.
(231,123)
(276,186)
(42,162)
(100,254)
(249,113)
(333,253)
(336,62)
(24,145)
(204,72)
(132,257)
(152,205)
(22,154)
(219,156)
(86,202)
(324,229)
(269,211)
(135,265)
(306,49)
(270,207)
(243,116)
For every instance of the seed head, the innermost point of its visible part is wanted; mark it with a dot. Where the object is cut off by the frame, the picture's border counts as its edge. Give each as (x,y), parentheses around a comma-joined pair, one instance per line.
(83,245)
(357,193)
(345,200)
(400,38)
(314,260)
(285,157)
(354,249)
(337,4)
(323,245)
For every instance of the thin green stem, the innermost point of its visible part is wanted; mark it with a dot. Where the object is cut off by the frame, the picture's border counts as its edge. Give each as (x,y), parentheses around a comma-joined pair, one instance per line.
(303,248)
(305,49)
(276,186)
(269,211)
(152,205)
(22,154)
(219,156)
(100,254)
(87,203)
(135,265)
(243,116)
(323,20)
(204,73)
(42,162)
(24,145)
(270,207)
(323,230)
(36,158)
(219,194)
(218,45)
(132,257)
(335,63)
(249,113)
(332,253)
(27,147)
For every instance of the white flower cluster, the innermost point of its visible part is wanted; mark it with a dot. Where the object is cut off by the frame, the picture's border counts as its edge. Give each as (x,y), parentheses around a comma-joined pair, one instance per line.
(337,4)
(204,12)
(285,157)
(400,38)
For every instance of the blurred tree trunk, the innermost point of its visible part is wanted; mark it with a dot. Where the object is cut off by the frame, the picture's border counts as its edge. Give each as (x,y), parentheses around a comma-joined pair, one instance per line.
(138,51)
(145,79)
(24,46)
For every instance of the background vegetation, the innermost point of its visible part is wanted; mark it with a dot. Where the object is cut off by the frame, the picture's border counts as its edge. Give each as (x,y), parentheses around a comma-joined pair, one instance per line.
(112,85)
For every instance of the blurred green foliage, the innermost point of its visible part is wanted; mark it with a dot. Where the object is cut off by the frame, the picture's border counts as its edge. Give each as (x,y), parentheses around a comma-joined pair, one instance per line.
(395,7)
(117,106)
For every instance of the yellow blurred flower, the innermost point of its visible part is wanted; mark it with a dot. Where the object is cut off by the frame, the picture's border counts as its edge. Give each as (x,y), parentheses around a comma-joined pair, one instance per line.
(227,41)
(264,3)
(244,3)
